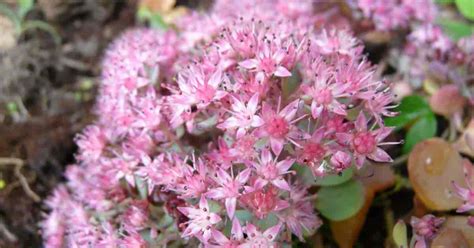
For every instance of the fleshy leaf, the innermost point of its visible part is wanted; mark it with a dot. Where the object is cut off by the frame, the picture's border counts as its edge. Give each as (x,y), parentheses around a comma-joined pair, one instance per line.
(331,180)
(400,234)
(411,108)
(455,29)
(423,128)
(466,7)
(432,166)
(341,201)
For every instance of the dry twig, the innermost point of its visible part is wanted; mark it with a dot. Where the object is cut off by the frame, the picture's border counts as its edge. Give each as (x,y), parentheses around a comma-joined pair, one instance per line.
(19,163)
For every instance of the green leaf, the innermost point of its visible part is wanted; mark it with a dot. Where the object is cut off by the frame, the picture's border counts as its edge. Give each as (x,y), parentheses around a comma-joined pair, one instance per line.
(155,19)
(24,6)
(243,216)
(466,7)
(400,234)
(455,29)
(411,108)
(444,1)
(268,222)
(341,201)
(304,173)
(423,129)
(142,187)
(331,180)
(6,11)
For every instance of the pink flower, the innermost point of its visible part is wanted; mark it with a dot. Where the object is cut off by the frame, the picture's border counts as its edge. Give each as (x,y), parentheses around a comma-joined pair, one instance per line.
(324,96)
(222,241)
(136,216)
(426,228)
(466,194)
(163,170)
(300,214)
(91,143)
(336,41)
(197,89)
(201,220)
(340,161)
(230,188)
(364,143)
(263,201)
(278,126)
(267,62)
(313,150)
(270,171)
(256,238)
(243,116)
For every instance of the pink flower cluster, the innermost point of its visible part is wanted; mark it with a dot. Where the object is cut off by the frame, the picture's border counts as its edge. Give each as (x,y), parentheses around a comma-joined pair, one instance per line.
(389,15)
(425,229)
(200,130)
(431,54)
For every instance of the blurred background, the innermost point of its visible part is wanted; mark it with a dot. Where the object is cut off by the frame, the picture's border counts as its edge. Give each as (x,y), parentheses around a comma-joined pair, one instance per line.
(50,56)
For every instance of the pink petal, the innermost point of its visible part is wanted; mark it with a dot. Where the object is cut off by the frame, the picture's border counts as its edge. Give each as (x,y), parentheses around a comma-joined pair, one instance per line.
(282,184)
(360,159)
(282,72)
(237,230)
(230,204)
(215,79)
(260,183)
(277,145)
(266,156)
(460,191)
(361,122)
(465,208)
(223,177)
(273,231)
(257,121)
(344,137)
(215,218)
(253,103)
(244,175)
(203,203)
(249,229)
(219,237)
(249,63)
(284,165)
(382,133)
(316,109)
(290,110)
(217,193)
(380,155)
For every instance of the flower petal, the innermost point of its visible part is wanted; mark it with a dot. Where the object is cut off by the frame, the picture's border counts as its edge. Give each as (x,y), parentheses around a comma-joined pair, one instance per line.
(282,72)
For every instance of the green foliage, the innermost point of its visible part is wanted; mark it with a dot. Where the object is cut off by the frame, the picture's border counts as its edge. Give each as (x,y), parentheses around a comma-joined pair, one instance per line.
(423,129)
(332,180)
(154,19)
(444,1)
(142,187)
(414,113)
(243,216)
(455,29)
(341,201)
(304,173)
(18,17)
(466,7)
(24,6)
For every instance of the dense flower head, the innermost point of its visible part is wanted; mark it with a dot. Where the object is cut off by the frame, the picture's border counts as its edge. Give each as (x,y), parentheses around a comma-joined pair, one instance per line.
(425,229)
(200,130)
(395,14)
(431,54)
